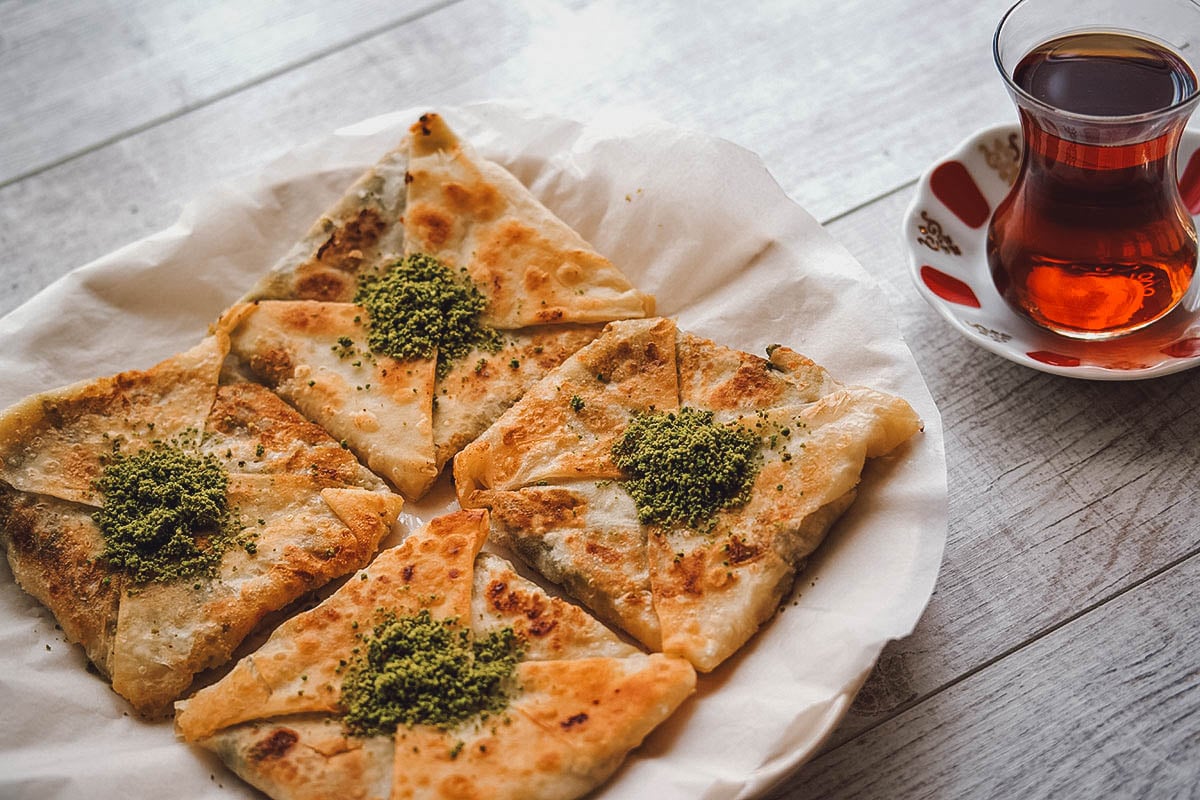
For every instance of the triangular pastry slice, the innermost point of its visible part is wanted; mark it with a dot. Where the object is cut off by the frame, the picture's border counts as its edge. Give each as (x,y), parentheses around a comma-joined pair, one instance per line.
(585,537)
(770,450)
(314,355)
(110,560)
(299,669)
(253,433)
(479,387)
(551,628)
(571,700)
(357,234)
(564,426)
(311,330)
(399,416)
(472,214)
(52,443)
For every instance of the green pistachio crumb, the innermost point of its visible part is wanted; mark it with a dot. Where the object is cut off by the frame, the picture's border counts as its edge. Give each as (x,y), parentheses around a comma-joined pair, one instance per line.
(420,671)
(165,514)
(419,309)
(682,468)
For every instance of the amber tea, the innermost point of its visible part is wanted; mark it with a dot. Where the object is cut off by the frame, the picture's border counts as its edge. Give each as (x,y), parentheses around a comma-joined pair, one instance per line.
(1094,239)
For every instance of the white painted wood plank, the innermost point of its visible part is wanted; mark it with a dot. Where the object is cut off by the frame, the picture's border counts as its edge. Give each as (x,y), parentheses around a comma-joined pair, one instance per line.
(1105,706)
(74,73)
(843,100)
(138,185)
(73,213)
(1062,492)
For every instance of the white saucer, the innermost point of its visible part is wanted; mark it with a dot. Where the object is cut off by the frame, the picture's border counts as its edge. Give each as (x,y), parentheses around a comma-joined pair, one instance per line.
(945,230)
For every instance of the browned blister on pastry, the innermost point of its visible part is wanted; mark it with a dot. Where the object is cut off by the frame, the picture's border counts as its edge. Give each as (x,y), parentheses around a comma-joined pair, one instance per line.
(575,700)
(693,585)
(298,508)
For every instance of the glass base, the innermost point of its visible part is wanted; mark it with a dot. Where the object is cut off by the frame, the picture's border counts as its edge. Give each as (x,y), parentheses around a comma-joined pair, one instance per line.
(1096,335)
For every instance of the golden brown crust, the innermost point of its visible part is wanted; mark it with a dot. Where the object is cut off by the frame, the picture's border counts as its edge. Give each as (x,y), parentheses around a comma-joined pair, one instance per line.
(550,437)
(711,596)
(534,269)
(253,431)
(307,757)
(51,443)
(720,378)
(582,698)
(700,595)
(299,669)
(569,729)
(168,632)
(53,549)
(290,486)
(603,707)
(509,759)
(586,538)
(315,356)
(357,235)
(551,628)
(481,386)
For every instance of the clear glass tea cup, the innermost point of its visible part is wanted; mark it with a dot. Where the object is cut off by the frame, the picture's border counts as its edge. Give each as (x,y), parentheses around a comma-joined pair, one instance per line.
(1094,240)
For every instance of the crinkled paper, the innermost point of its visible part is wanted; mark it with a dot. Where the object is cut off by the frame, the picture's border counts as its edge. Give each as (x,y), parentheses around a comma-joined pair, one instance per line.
(695,220)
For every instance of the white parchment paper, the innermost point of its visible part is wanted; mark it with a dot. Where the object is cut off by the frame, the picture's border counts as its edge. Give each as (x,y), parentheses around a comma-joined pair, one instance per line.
(695,220)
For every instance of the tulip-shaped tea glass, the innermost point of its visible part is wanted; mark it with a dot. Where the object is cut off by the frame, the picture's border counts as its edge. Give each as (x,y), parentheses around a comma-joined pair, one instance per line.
(1094,240)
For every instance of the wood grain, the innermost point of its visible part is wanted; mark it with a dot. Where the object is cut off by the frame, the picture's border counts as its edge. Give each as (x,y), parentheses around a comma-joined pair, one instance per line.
(1062,492)
(1056,656)
(1105,706)
(668,58)
(75,74)
(70,214)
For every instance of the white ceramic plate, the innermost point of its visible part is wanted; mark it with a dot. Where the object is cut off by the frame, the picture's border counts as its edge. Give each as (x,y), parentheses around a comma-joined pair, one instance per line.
(695,220)
(945,231)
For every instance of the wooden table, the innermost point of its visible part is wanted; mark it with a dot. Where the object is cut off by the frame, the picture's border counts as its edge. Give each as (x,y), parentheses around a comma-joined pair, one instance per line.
(1060,654)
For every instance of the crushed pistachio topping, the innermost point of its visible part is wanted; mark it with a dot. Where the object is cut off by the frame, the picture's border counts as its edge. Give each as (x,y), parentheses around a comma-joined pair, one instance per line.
(416,670)
(165,514)
(682,468)
(418,307)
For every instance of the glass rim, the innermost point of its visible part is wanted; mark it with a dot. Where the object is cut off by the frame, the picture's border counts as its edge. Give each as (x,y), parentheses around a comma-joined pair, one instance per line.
(1123,119)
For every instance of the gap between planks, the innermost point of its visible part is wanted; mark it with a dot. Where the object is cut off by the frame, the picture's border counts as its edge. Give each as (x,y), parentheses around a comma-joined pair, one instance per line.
(999,657)
(218,96)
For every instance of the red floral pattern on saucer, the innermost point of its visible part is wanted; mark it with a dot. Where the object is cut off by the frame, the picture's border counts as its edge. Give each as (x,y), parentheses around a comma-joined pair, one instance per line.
(945,229)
